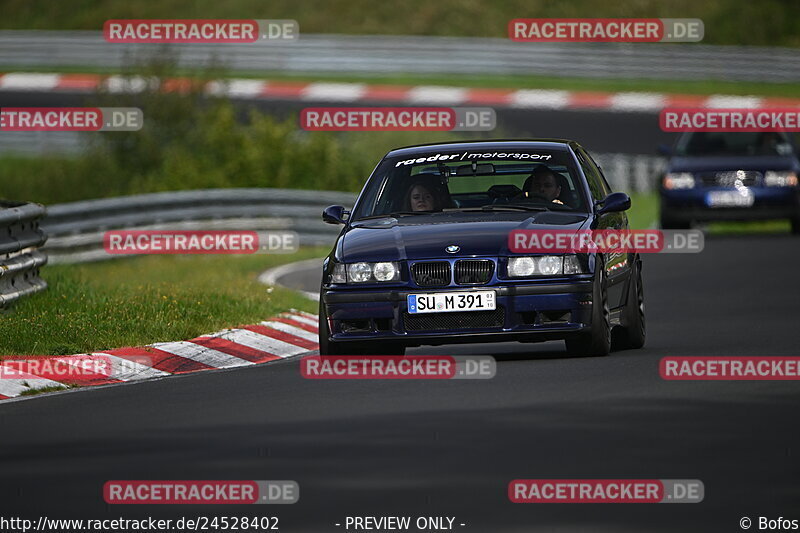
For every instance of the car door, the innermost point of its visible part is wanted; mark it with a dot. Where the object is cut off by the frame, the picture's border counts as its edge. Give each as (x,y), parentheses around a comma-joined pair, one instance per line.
(617,264)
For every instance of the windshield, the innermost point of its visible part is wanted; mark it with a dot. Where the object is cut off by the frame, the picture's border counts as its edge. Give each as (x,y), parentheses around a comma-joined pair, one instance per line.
(741,144)
(466,181)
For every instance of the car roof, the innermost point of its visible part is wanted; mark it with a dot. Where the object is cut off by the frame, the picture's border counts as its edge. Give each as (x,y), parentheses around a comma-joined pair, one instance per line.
(498,144)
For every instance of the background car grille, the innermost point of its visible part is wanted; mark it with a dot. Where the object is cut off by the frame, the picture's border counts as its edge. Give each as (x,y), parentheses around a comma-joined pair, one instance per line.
(473,271)
(729,178)
(455,321)
(431,274)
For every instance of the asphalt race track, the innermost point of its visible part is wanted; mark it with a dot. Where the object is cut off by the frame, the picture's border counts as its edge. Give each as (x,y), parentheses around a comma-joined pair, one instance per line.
(450,448)
(597,131)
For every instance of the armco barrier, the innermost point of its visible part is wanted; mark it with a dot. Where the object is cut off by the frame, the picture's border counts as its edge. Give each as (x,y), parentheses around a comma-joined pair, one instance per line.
(20,257)
(76,229)
(420,54)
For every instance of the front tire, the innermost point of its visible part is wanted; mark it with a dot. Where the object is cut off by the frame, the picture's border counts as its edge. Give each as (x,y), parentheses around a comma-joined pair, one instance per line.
(597,342)
(796,225)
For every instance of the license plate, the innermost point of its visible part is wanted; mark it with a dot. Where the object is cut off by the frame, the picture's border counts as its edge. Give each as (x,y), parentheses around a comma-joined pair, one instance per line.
(743,198)
(446,302)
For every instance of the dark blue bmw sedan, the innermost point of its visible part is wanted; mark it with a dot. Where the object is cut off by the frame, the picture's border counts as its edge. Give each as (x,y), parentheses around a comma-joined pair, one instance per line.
(731,176)
(424,259)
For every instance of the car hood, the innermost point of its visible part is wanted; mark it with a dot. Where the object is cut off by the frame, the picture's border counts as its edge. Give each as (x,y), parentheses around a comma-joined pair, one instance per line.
(396,240)
(722,163)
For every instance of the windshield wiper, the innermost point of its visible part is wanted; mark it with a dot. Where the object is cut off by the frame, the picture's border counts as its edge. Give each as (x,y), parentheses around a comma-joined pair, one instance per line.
(502,207)
(404,213)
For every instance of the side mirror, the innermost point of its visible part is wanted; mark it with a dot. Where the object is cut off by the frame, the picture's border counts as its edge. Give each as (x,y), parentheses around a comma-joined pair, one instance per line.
(614,203)
(335,214)
(664,149)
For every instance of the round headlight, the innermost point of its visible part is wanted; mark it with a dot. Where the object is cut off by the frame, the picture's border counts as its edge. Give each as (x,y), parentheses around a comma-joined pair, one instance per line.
(549,265)
(521,266)
(359,272)
(384,271)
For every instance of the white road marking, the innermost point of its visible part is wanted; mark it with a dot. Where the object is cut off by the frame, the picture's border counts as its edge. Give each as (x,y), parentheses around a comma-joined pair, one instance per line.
(304,319)
(540,98)
(431,94)
(341,92)
(256,341)
(292,330)
(201,354)
(128,369)
(29,81)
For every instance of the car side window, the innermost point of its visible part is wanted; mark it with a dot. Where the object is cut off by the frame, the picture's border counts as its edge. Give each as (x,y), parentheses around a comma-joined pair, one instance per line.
(593,176)
(603,181)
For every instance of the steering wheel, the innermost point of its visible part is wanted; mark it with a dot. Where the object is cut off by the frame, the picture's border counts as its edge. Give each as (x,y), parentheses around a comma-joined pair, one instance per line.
(538,196)
(504,192)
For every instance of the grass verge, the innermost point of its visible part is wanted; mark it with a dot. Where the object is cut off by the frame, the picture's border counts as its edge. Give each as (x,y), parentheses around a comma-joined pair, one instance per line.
(132,302)
(500,81)
(643,213)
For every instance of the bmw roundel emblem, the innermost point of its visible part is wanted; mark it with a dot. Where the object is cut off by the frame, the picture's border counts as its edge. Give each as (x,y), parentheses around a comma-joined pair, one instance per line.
(452,249)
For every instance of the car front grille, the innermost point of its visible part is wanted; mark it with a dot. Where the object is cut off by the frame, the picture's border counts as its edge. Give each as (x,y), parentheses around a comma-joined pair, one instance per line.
(474,271)
(748,178)
(431,274)
(455,321)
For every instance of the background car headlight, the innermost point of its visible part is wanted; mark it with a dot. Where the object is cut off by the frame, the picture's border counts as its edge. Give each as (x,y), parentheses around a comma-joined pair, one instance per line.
(678,180)
(774,178)
(550,265)
(386,271)
(359,272)
(521,266)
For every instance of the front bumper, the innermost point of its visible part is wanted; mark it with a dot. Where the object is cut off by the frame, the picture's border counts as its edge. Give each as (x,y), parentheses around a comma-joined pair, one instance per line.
(769,203)
(524,312)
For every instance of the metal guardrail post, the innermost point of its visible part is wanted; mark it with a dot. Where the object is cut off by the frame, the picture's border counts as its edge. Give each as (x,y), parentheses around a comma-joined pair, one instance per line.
(20,257)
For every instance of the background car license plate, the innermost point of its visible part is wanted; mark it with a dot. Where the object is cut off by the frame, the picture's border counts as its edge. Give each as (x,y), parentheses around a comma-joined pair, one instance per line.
(742,198)
(444,302)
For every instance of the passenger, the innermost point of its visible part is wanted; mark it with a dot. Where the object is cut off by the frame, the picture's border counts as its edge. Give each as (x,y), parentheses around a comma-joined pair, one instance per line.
(421,198)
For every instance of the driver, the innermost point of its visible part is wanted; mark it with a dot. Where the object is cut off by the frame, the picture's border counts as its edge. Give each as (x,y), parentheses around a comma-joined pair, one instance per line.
(542,183)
